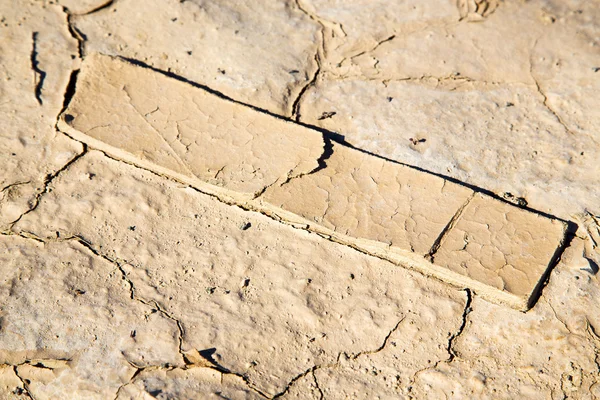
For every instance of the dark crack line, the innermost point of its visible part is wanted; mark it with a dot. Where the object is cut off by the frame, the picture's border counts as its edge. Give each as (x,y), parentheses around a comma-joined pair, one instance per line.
(388,39)
(99,8)
(295,379)
(320,53)
(69,94)
(88,245)
(39,74)
(450,348)
(75,34)
(7,187)
(383,344)
(440,239)
(353,357)
(321,164)
(541,92)
(25,383)
(154,304)
(545,102)
(309,84)
(321,394)
(46,186)
(569,235)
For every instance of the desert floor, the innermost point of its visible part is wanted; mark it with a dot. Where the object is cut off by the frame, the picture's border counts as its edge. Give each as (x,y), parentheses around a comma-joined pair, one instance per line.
(310,199)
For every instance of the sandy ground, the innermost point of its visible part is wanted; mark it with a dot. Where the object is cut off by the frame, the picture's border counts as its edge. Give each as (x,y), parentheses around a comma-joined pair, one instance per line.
(310,199)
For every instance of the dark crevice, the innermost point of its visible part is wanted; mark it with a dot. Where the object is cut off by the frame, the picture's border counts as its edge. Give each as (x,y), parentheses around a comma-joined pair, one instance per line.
(311,83)
(321,164)
(438,242)
(76,34)
(69,91)
(9,186)
(388,39)
(25,383)
(321,394)
(383,344)
(291,383)
(594,268)
(40,75)
(467,310)
(543,282)
(88,245)
(100,7)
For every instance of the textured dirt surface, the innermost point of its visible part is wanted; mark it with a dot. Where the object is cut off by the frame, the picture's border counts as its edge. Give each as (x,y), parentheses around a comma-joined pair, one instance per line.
(119,280)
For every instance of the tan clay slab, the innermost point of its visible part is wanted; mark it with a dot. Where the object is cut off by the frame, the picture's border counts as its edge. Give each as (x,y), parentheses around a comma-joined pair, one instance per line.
(500,245)
(282,169)
(187,130)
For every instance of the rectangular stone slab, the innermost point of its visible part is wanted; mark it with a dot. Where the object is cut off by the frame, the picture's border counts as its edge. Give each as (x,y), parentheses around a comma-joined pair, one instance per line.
(186,130)
(287,171)
(499,245)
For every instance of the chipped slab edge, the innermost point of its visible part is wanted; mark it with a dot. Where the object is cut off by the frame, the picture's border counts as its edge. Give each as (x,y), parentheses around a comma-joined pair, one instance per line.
(370,247)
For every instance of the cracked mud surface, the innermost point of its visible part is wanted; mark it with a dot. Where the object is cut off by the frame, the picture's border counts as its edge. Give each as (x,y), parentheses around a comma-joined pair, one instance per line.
(323,139)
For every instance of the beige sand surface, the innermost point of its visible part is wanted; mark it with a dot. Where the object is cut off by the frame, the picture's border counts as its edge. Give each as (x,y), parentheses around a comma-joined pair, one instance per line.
(308,199)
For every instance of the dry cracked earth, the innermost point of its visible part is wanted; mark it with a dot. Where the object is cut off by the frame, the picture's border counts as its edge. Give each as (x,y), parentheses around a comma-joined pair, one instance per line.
(308,199)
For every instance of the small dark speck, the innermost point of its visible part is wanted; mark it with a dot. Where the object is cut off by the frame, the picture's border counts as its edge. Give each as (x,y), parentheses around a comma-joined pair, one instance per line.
(246,226)
(326,115)
(417,141)
(389,99)
(69,118)
(509,104)
(221,71)
(352,276)
(596,69)
(132,228)
(189,53)
(132,334)
(246,282)
(294,71)
(13,154)
(79,292)
(91,176)
(173,19)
